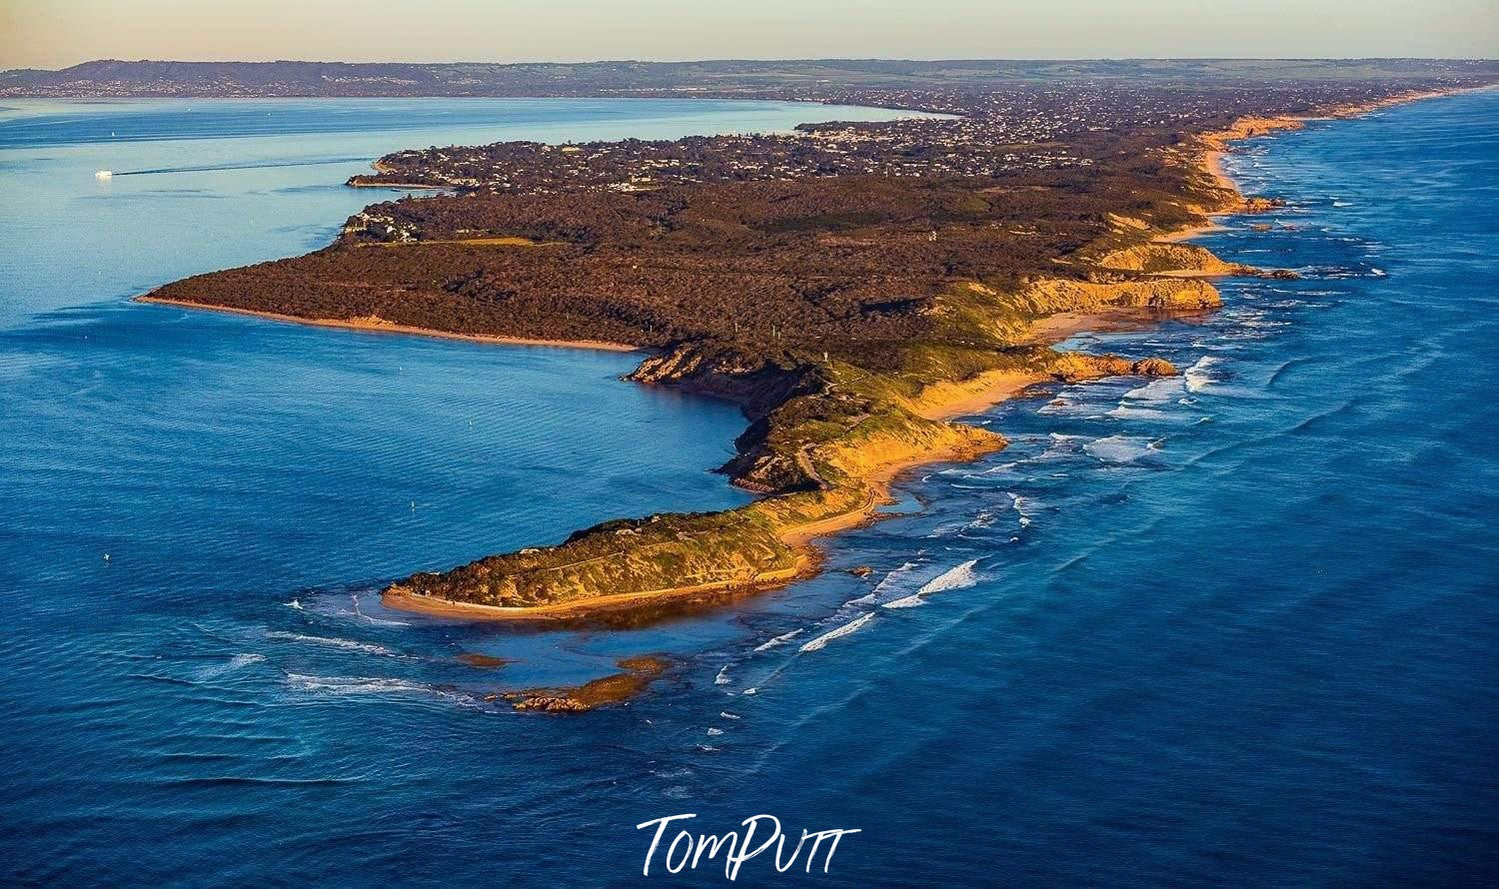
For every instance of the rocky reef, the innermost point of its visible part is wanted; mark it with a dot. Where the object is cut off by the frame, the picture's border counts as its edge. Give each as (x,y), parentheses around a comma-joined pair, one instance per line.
(636,674)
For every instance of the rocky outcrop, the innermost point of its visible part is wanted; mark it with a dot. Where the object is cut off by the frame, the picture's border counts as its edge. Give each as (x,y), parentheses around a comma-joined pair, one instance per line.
(637,674)
(1056,295)
(1253,205)
(1076,366)
(1169,259)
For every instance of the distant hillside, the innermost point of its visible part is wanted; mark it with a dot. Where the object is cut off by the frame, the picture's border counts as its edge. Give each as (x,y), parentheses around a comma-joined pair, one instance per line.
(113,78)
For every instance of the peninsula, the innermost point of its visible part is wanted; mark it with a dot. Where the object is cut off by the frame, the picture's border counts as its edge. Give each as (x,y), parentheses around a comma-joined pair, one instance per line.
(852,286)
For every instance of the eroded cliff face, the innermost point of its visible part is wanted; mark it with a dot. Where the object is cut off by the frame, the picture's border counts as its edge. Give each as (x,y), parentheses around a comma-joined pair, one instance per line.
(1250,126)
(1055,296)
(1169,259)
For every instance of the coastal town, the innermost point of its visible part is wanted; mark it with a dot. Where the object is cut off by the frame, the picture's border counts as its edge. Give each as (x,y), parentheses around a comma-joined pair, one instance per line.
(951,134)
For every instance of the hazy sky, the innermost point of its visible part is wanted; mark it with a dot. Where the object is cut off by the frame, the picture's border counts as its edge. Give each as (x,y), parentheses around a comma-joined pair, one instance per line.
(55,33)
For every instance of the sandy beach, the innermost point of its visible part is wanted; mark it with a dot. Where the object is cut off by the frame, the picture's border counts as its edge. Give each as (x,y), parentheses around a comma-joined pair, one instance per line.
(379,325)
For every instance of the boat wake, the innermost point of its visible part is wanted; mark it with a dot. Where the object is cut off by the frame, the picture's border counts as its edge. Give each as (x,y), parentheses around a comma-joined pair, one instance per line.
(214,168)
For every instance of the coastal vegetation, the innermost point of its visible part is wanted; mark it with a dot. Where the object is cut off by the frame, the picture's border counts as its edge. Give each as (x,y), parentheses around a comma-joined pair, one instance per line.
(850,308)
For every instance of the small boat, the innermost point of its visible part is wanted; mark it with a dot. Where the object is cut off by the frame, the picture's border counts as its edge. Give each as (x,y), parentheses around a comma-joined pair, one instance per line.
(103,174)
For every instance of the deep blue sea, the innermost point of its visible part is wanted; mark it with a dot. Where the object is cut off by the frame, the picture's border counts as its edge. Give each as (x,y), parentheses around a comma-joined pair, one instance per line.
(1237,627)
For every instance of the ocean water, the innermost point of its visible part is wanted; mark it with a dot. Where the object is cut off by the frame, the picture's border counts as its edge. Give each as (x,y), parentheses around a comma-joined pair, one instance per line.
(1237,627)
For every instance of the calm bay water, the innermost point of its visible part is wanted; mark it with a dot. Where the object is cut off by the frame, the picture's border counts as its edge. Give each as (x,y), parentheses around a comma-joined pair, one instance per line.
(1237,627)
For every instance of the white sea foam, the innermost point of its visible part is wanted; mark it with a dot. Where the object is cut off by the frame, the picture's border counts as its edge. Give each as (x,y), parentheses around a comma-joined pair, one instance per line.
(1024,507)
(714,732)
(948,529)
(821,642)
(229,666)
(377,621)
(375,687)
(778,640)
(1137,413)
(1121,448)
(985,519)
(894,576)
(1199,376)
(1062,446)
(1157,391)
(681,772)
(911,601)
(331,642)
(1068,404)
(355,685)
(723,676)
(727,715)
(956,578)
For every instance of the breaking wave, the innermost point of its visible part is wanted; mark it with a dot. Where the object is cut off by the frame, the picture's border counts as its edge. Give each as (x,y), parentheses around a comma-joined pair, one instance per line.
(778,640)
(1121,448)
(956,578)
(1200,376)
(851,627)
(894,577)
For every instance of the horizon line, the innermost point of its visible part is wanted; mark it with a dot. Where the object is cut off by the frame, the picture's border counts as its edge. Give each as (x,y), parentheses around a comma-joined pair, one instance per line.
(768,59)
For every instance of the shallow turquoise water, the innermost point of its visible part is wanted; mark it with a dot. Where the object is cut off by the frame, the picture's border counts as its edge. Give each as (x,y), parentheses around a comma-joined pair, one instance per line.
(1231,628)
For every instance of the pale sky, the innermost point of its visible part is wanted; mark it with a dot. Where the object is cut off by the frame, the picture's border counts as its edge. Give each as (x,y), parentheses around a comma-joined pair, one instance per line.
(57,33)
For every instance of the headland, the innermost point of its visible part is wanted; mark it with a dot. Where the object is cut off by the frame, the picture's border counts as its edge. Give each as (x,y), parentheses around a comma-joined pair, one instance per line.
(853,287)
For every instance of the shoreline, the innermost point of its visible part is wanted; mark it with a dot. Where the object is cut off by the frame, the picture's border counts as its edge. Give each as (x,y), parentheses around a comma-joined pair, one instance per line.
(981,393)
(379,325)
(801,537)
(873,474)
(399,186)
(971,396)
(1217,145)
